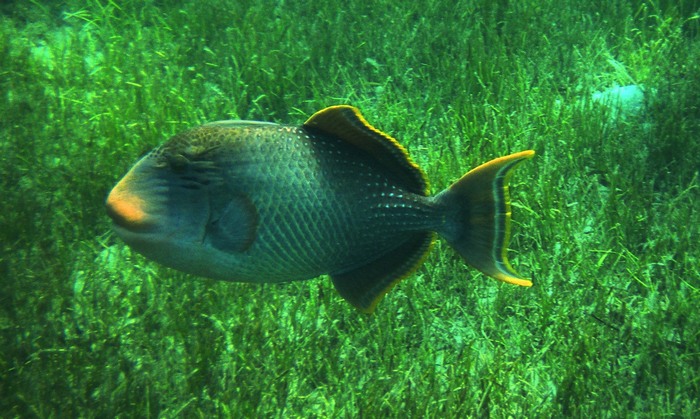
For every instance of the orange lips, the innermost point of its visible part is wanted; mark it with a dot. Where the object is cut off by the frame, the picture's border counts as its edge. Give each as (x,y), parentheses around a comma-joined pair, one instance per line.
(125,208)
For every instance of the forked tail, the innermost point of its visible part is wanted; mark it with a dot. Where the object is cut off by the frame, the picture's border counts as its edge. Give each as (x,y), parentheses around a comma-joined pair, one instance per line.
(478,222)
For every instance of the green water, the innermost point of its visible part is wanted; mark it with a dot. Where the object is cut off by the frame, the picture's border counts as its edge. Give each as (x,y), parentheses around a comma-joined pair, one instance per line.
(605,217)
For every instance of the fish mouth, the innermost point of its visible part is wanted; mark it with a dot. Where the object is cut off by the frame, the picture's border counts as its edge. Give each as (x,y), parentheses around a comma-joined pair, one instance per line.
(128,210)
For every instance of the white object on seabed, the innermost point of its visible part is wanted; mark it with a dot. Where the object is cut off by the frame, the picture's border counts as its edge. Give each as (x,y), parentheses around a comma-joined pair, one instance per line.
(624,102)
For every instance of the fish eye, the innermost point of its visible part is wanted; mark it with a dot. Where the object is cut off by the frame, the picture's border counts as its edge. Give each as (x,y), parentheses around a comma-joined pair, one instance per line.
(178,162)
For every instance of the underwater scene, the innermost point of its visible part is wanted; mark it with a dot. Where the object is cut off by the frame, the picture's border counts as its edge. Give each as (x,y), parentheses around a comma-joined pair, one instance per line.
(352,238)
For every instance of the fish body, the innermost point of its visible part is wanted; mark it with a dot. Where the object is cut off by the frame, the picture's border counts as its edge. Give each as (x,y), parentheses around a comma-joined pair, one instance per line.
(261,202)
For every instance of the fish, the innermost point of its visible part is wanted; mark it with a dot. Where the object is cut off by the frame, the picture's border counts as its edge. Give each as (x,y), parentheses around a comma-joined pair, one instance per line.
(261,202)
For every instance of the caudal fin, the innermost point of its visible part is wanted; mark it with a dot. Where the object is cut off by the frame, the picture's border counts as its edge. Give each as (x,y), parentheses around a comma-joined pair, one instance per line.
(478,226)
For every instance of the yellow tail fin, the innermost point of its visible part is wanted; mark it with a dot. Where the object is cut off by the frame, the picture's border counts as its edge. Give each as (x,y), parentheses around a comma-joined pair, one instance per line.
(478,226)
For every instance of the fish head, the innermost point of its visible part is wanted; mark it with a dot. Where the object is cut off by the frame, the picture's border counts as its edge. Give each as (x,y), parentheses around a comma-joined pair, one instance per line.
(161,207)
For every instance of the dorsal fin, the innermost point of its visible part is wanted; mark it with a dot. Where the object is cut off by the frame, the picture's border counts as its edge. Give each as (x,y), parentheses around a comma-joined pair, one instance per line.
(347,124)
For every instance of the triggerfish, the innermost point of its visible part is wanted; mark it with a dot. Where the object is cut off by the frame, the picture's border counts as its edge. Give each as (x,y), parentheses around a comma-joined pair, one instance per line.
(262,202)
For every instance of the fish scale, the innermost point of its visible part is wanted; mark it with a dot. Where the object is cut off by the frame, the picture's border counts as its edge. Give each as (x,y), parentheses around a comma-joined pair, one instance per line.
(313,232)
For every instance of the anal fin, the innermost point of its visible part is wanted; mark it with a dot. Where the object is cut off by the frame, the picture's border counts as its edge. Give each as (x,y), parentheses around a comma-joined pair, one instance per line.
(365,286)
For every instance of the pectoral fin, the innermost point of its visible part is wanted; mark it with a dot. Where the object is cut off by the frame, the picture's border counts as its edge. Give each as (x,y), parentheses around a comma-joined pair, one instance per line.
(234,229)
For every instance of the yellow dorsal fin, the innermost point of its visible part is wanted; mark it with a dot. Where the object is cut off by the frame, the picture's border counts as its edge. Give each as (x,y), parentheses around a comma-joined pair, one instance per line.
(347,124)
